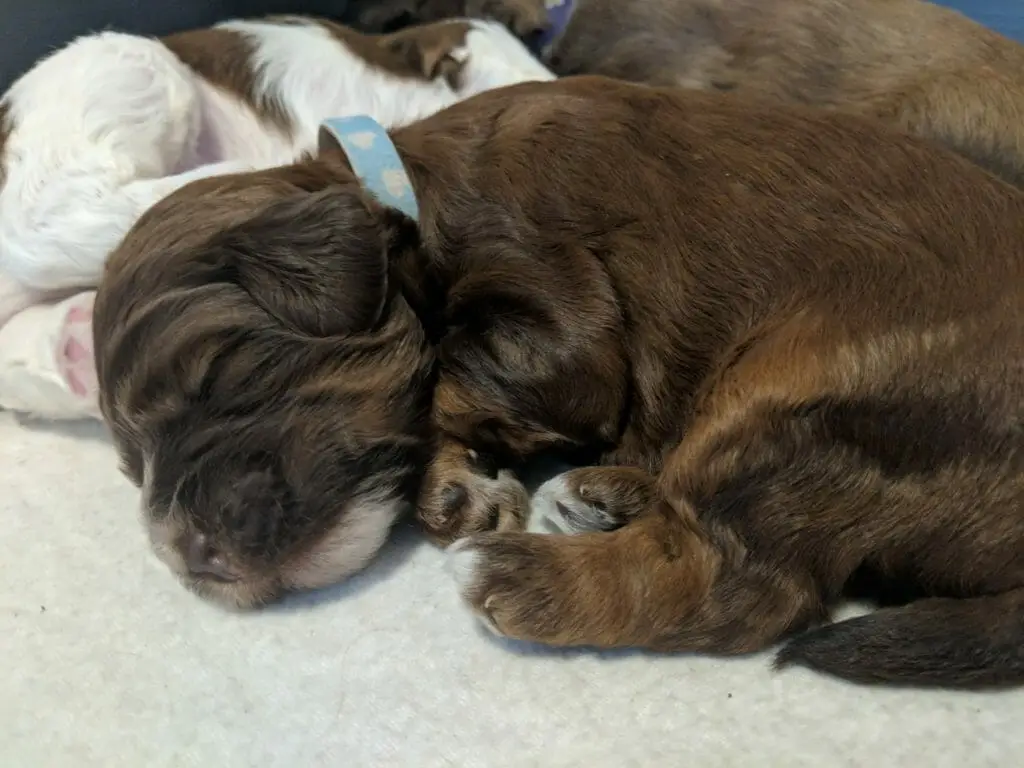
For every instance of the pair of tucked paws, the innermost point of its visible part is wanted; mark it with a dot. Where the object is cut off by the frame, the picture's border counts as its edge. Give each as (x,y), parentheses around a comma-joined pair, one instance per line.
(510,579)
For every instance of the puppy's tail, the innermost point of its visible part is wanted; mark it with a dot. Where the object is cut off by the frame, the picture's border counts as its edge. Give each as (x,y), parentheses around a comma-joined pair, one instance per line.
(956,643)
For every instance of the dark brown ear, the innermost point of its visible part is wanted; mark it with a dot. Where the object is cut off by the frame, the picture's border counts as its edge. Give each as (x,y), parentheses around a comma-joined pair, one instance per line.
(432,50)
(316,262)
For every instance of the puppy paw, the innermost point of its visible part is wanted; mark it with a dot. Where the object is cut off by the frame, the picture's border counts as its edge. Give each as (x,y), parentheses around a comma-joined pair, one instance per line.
(461,495)
(75,358)
(432,51)
(590,499)
(47,368)
(510,583)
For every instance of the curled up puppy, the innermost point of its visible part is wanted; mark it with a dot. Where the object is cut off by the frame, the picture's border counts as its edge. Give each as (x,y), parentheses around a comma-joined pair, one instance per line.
(788,364)
(97,132)
(919,67)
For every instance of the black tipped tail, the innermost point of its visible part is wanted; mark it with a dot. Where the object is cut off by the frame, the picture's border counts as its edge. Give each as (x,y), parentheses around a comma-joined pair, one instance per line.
(955,643)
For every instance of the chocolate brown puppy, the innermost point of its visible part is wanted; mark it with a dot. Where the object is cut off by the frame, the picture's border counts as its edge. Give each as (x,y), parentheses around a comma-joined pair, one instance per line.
(790,341)
(919,67)
(275,439)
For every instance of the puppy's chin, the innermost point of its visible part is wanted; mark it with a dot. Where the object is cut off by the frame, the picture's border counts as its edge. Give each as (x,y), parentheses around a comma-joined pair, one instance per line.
(242,595)
(346,548)
(342,551)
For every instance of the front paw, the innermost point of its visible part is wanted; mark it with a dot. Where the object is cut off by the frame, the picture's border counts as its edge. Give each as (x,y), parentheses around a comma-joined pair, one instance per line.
(461,496)
(432,51)
(590,499)
(510,583)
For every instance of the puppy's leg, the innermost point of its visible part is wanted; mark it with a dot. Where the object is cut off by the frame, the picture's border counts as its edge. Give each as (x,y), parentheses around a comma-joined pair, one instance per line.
(765,515)
(104,112)
(674,577)
(46,360)
(468,489)
(505,382)
(677,577)
(661,582)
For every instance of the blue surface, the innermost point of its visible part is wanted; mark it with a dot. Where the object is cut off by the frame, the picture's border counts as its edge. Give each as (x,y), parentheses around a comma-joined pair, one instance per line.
(1004,16)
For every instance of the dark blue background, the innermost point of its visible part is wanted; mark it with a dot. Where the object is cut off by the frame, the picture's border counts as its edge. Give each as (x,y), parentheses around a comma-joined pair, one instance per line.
(1005,16)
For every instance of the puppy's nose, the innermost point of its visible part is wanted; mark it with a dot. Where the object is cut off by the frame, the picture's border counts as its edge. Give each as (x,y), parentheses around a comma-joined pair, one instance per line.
(203,559)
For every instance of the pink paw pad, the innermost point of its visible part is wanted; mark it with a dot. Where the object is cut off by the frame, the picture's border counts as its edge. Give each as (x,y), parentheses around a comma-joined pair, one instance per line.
(75,351)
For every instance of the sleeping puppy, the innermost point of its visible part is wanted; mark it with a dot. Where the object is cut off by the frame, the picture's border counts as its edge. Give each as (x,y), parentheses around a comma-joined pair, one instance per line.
(786,360)
(100,130)
(921,68)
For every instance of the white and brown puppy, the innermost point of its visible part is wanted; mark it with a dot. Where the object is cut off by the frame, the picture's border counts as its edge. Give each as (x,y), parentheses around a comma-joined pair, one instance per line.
(102,129)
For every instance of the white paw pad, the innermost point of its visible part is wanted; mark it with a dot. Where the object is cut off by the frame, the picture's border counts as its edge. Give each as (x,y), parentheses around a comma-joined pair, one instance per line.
(75,351)
(555,508)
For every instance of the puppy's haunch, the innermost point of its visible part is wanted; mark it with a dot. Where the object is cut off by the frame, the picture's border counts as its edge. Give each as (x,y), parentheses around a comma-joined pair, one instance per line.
(790,340)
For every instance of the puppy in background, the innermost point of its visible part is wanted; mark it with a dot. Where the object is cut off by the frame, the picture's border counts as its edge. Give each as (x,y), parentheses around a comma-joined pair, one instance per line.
(921,68)
(99,131)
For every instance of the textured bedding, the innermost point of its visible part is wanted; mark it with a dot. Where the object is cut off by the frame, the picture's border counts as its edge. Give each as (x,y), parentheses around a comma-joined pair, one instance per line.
(107,662)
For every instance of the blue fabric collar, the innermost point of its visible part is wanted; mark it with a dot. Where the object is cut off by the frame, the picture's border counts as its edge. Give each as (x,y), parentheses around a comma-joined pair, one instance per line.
(374,160)
(559,13)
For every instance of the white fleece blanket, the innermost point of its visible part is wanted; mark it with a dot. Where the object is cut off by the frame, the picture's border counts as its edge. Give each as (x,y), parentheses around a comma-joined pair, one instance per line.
(106,661)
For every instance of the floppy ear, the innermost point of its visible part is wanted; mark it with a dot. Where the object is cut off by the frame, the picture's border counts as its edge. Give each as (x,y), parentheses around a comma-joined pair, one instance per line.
(316,262)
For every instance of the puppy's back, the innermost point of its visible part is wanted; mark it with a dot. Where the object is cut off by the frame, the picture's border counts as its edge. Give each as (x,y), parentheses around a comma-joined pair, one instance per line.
(923,69)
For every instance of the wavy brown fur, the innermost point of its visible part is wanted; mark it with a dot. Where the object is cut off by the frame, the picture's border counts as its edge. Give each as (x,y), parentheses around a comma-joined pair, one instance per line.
(792,339)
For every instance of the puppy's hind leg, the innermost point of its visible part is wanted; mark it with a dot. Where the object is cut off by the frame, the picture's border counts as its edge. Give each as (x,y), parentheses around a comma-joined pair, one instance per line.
(661,582)
(106,111)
